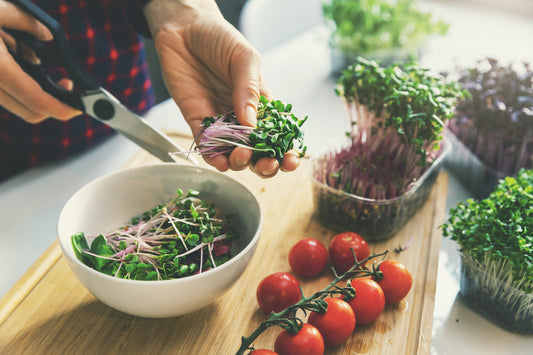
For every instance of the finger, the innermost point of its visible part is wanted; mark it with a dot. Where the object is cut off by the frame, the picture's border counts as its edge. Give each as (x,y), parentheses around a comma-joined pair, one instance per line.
(266,167)
(240,158)
(66,84)
(290,161)
(8,40)
(220,162)
(264,89)
(245,69)
(13,17)
(15,107)
(20,86)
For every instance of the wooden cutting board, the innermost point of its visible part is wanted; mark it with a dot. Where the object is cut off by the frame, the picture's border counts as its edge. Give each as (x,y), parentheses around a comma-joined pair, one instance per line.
(49,312)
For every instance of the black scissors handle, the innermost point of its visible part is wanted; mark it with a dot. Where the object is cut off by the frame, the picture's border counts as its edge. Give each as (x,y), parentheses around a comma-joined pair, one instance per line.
(54,53)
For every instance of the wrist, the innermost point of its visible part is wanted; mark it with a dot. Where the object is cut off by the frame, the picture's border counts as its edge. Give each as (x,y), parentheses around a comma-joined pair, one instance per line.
(162,14)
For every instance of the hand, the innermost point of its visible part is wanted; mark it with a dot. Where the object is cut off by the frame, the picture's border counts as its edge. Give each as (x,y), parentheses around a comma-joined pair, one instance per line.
(209,68)
(19,93)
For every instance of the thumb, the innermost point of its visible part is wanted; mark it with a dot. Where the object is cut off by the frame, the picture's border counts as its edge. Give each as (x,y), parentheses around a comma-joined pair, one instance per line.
(246,86)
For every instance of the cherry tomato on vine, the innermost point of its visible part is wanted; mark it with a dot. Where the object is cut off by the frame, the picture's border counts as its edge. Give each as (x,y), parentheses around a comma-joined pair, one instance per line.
(277,292)
(369,300)
(308,341)
(263,352)
(340,252)
(337,324)
(396,281)
(308,257)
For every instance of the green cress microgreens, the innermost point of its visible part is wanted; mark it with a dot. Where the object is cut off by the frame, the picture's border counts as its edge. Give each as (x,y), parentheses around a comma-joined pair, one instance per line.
(183,237)
(495,122)
(363,27)
(397,116)
(275,134)
(499,227)
(287,318)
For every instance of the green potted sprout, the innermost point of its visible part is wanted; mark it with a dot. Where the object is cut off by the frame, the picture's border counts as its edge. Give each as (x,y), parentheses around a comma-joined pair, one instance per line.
(495,240)
(385,30)
(376,181)
(492,131)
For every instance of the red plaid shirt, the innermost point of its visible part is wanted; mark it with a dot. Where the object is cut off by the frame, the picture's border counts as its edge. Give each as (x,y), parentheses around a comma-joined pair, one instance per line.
(102,35)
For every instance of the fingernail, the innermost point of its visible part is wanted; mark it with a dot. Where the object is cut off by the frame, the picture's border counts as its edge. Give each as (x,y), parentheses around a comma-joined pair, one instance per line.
(268,173)
(251,115)
(241,163)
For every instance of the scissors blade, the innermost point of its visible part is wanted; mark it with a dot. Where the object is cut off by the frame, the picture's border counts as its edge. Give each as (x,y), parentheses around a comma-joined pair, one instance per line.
(103,106)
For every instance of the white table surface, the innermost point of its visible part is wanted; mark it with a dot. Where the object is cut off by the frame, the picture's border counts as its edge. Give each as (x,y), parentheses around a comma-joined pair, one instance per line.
(297,72)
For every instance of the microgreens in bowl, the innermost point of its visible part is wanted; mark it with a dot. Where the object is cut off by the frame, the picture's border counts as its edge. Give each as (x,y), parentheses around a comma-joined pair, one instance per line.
(276,132)
(183,237)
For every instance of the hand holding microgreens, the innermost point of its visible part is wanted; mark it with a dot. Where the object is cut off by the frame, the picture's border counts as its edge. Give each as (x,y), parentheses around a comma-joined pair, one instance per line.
(276,132)
(183,237)
(287,318)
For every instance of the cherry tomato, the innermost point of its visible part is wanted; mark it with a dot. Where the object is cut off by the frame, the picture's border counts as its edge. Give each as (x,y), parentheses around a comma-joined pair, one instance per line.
(340,251)
(308,341)
(277,292)
(308,257)
(337,324)
(369,300)
(396,281)
(263,352)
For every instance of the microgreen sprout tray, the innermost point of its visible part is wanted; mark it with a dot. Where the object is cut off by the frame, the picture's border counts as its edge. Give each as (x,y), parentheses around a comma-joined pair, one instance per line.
(372,218)
(488,288)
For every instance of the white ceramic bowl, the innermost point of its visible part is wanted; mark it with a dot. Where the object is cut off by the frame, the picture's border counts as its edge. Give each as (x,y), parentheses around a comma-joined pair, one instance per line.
(110,201)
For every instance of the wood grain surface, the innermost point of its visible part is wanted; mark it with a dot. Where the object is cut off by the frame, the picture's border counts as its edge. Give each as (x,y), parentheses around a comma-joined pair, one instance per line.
(49,312)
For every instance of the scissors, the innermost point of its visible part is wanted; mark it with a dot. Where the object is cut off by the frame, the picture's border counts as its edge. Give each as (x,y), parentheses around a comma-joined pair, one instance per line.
(89,96)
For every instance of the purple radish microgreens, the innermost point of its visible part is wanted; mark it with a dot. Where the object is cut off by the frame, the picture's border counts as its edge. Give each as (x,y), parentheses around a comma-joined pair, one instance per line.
(495,121)
(276,132)
(397,115)
(185,236)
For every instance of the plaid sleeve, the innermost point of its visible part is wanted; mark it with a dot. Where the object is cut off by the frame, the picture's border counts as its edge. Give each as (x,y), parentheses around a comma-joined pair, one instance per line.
(135,16)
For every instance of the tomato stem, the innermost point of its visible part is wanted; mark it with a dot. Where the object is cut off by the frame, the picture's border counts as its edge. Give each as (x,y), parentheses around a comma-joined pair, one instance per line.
(286,318)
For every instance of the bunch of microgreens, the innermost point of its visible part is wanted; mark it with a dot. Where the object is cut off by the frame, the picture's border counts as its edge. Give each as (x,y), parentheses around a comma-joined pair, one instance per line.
(397,115)
(276,132)
(366,27)
(499,227)
(288,319)
(495,238)
(495,122)
(183,237)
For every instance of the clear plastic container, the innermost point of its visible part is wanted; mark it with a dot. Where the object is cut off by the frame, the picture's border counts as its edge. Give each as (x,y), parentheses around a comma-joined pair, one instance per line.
(475,176)
(487,288)
(376,220)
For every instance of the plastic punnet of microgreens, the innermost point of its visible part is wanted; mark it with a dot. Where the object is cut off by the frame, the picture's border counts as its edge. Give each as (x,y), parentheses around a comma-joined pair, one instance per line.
(362,27)
(396,116)
(499,228)
(288,318)
(277,131)
(183,237)
(495,121)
